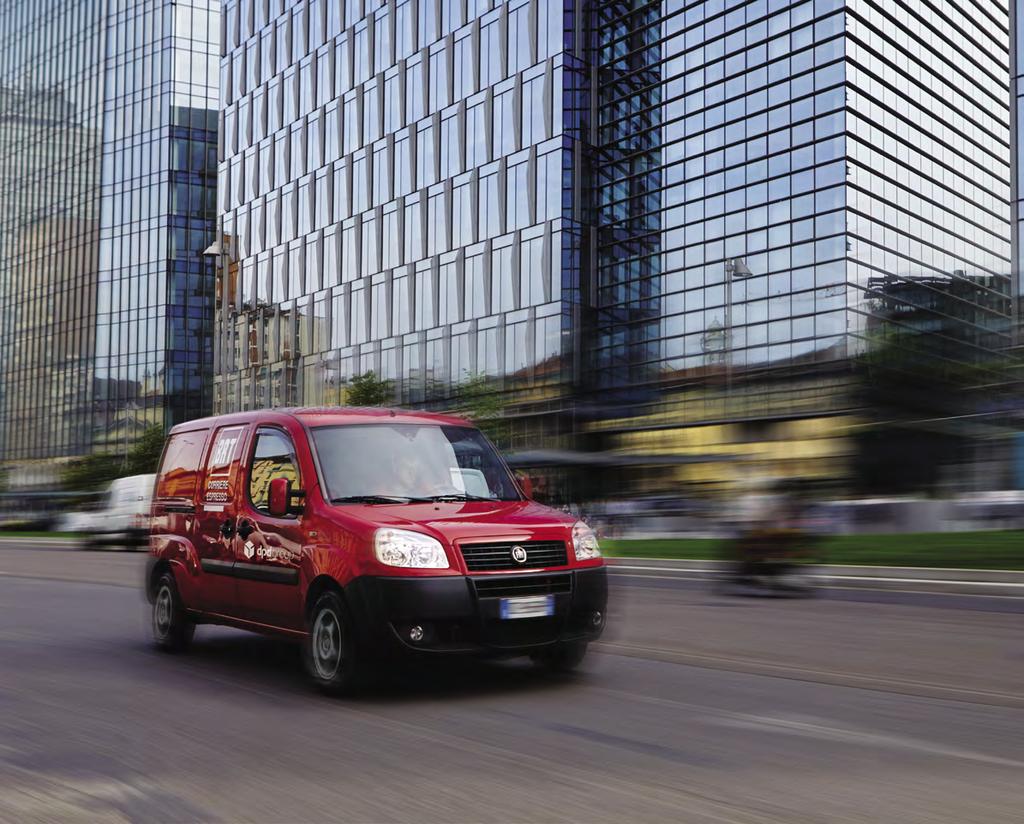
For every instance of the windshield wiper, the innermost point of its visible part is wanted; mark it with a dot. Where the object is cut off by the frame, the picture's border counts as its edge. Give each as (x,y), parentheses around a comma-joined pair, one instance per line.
(375,499)
(459,496)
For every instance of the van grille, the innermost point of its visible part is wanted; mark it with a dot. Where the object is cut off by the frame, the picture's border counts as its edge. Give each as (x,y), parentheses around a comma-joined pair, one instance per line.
(488,557)
(506,587)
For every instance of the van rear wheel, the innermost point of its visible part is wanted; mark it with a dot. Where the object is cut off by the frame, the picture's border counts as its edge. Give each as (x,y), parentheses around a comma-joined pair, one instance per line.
(172,629)
(330,651)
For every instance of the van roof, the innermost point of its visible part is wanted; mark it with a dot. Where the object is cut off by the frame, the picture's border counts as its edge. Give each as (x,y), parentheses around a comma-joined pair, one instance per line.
(326,416)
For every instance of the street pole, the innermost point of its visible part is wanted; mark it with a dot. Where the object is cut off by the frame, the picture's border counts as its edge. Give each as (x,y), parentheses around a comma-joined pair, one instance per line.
(734,268)
(729,271)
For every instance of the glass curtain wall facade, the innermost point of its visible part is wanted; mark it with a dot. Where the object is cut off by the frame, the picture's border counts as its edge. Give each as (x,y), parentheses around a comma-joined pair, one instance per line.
(704,210)
(723,238)
(929,176)
(153,362)
(784,184)
(630,191)
(1017,136)
(108,141)
(51,81)
(399,193)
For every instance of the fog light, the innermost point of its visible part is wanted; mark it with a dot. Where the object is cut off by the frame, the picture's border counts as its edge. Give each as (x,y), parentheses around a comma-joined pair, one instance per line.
(416,633)
(596,619)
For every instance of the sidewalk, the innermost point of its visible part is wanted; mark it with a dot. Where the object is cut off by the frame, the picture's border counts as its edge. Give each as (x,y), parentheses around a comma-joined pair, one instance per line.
(907,579)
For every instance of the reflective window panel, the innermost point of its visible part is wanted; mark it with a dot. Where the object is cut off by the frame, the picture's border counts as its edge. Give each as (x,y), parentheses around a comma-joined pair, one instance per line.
(108,142)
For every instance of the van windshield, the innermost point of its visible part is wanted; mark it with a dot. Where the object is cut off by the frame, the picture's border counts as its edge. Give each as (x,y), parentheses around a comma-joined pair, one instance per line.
(401,463)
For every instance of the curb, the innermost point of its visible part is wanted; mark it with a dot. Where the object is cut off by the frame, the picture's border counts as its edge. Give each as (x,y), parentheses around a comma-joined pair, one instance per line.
(905,579)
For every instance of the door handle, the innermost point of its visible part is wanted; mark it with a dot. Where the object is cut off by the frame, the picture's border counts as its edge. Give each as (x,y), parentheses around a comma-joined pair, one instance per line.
(227,529)
(245,529)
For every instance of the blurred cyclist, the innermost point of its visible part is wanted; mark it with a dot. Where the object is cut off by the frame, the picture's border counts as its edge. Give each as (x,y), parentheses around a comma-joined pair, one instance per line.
(771,541)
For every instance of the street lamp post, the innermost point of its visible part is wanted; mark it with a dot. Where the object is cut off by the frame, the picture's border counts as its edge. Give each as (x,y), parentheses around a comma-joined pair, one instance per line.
(734,268)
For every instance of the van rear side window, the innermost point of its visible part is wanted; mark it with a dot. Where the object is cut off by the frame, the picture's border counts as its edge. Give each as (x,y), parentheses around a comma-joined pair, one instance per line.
(180,468)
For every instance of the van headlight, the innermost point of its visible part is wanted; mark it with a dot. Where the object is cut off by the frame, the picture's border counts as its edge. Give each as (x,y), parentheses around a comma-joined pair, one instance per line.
(584,542)
(402,548)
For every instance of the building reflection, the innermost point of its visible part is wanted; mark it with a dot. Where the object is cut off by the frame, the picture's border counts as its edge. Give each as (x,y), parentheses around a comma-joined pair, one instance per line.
(108,142)
(689,262)
(49,236)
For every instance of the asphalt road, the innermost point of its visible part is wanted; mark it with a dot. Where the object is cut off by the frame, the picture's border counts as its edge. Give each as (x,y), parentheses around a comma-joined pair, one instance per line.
(697,708)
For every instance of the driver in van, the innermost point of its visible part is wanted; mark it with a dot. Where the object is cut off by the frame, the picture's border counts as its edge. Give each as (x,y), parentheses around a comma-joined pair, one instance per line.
(412,480)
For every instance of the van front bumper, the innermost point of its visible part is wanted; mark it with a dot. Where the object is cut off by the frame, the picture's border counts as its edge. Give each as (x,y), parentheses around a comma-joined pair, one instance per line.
(462,614)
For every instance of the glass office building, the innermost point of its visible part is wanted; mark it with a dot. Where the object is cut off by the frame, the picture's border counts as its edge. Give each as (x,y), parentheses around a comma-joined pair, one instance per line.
(108,117)
(791,186)
(1017,135)
(50,136)
(401,192)
(772,163)
(698,212)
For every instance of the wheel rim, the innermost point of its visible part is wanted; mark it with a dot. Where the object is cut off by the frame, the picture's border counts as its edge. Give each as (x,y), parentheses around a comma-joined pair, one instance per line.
(163,612)
(326,644)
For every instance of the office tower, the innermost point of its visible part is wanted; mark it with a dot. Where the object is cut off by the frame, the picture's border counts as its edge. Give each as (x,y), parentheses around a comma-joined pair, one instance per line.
(400,190)
(689,214)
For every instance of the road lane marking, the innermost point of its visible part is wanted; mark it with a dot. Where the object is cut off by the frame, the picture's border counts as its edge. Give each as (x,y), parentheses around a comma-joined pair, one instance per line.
(812,728)
(836,582)
(824,576)
(945,593)
(807,725)
(841,578)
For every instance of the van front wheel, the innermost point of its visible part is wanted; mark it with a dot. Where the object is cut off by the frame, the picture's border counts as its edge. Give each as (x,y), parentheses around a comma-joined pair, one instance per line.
(563,657)
(330,649)
(172,630)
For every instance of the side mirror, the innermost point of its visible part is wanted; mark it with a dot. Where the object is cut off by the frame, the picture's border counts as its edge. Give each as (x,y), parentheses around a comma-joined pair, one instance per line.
(525,484)
(279,502)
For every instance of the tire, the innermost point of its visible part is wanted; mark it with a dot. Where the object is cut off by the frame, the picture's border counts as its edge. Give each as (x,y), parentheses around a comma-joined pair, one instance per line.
(172,629)
(330,654)
(88,542)
(564,657)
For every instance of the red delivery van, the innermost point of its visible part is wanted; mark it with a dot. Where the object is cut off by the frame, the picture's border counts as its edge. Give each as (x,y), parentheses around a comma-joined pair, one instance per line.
(361,532)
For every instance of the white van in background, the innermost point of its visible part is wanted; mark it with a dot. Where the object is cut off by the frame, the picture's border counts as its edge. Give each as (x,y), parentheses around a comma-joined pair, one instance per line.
(121,519)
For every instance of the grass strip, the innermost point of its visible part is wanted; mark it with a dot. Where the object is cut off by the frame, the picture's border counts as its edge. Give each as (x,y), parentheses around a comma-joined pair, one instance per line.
(947,550)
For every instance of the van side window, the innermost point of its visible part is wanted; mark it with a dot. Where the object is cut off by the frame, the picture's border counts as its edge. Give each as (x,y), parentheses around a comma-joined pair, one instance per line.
(179,469)
(273,457)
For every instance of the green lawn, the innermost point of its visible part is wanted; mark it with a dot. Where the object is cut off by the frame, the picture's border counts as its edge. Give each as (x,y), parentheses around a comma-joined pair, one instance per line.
(966,550)
(30,534)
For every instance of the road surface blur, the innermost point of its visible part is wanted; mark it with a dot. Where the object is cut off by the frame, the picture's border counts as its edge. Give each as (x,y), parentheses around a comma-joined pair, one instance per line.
(853,707)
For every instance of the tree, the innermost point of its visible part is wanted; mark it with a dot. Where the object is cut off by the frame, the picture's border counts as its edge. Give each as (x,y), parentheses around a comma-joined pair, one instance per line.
(924,396)
(368,390)
(91,473)
(484,405)
(144,456)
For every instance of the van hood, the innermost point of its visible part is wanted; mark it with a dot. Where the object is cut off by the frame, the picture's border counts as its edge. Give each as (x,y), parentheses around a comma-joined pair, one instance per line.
(471,520)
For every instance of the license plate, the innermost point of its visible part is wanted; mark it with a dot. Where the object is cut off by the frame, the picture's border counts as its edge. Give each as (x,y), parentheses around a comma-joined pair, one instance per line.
(533,606)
